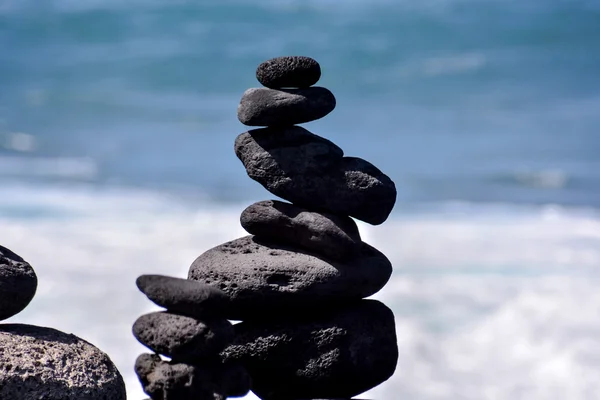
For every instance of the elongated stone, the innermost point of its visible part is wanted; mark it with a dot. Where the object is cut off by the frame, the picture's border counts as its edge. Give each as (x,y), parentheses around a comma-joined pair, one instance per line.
(285,107)
(288,72)
(335,355)
(18,283)
(320,180)
(331,235)
(183,296)
(266,279)
(182,338)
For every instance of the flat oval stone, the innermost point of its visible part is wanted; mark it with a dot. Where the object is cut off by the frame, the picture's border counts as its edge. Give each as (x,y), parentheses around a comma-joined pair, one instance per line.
(286,151)
(331,235)
(289,72)
(183,296)
(335,355)
(266,279)
(343,185)
(182,338)
(284,107)
(18,283)
(44,363)
(170,380)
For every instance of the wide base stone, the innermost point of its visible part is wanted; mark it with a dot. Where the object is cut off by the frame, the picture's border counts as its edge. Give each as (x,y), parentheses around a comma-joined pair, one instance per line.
(338,355)
(269,280)
(43,363)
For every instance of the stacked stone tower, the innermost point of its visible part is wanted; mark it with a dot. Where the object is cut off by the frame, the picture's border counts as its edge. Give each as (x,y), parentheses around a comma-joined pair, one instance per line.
(298,282)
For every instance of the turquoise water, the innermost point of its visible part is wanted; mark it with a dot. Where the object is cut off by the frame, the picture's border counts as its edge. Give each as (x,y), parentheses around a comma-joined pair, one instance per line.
(117,122)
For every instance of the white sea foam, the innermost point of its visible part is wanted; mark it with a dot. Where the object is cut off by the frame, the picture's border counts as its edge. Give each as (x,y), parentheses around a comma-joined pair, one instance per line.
(489,303)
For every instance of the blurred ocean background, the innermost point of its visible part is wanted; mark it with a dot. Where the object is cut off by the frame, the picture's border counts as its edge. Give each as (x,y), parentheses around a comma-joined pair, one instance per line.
(117,122)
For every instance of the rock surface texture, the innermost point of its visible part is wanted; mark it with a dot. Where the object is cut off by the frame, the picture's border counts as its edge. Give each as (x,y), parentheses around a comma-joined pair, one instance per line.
(297,283)
(43,363)
(288,72)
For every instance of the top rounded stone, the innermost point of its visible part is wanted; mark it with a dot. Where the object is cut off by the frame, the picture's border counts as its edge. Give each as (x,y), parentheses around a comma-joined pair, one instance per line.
(288,72)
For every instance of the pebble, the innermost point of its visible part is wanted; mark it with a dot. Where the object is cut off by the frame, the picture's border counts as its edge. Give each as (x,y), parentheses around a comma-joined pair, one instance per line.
(285,107)
(182,338)
(18,283)
(288,72)
(267,280)
(334,236)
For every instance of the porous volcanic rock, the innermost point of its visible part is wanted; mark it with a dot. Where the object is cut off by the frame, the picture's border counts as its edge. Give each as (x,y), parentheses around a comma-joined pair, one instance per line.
(183,296)
(341,354)
(347,186)
(169,380)
(266,279)
(334,236)
(18,283)
(182,338)
(44,363)
(284,107)
(288,72)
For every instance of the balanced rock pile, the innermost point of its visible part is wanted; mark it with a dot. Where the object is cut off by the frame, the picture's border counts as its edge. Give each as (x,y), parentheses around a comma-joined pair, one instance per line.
(297,282)
(43,363)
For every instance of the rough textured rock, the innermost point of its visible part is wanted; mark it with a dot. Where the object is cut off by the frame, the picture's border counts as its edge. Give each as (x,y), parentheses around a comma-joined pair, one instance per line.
(286,151)
(289,72)
(285,107)
(334,236)
(18,283)
(347,186)
(266,279)
(183,296)
(182,338)
(43,363)
(173,381)
(338,355)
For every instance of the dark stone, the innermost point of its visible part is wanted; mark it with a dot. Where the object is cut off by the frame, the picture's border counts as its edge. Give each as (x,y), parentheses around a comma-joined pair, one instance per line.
(43,363)
(333,236)
(18,283)
(168,380)
(288,72)
(342,354)
(347,185)
(183,296)
(266,279)
(284,152)
(285,107)
(182,338)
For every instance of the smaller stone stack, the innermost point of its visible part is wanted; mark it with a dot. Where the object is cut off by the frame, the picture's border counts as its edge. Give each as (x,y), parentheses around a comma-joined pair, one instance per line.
(44,363)
(299,280)
(191,332)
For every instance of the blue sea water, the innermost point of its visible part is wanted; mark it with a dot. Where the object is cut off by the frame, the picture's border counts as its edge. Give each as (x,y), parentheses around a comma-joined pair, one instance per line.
(117,122)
